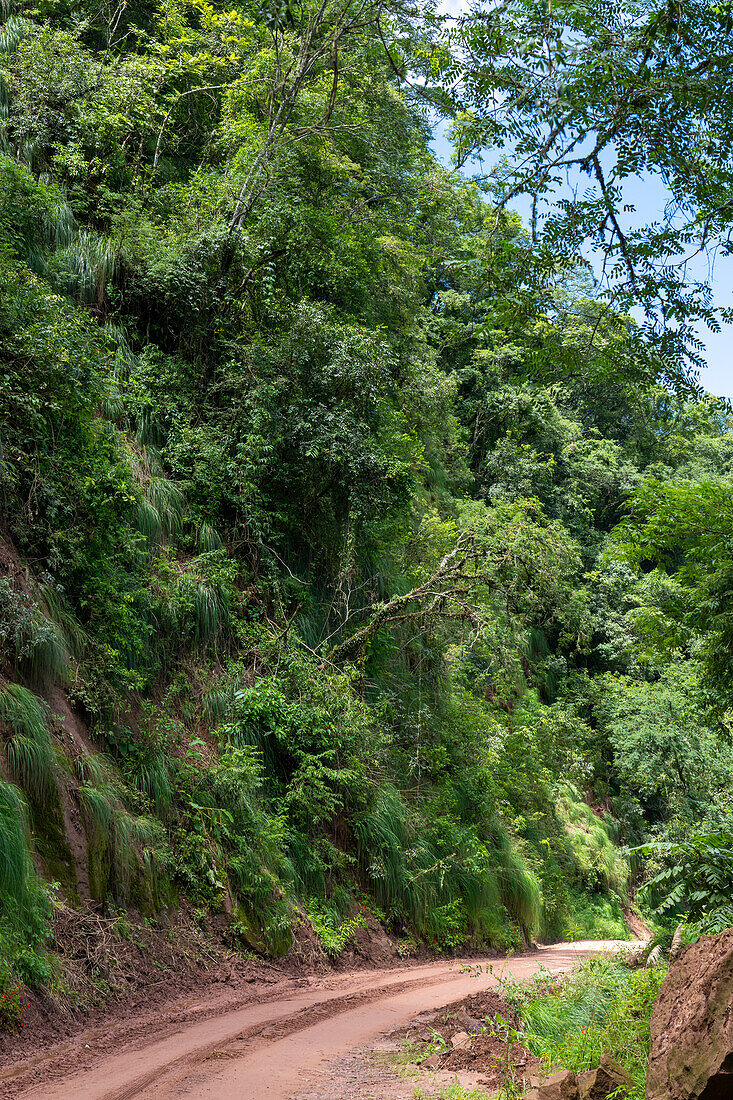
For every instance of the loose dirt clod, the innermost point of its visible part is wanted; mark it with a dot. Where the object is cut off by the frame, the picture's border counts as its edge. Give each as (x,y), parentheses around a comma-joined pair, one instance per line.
(475,1041)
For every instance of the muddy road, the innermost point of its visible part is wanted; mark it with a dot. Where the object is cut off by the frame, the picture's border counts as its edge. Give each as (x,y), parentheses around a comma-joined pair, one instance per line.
(267,1045)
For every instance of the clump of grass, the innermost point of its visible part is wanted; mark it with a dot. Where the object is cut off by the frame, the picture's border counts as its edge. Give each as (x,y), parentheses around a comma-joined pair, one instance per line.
(38,646)
(518,886)
(127,843)
(86,266)
(14,860)
(160,510)
(151,776)
(72,635)
(168,500)
(441,878)
(24,903)
(196,606)
(208,538)
(603,1007)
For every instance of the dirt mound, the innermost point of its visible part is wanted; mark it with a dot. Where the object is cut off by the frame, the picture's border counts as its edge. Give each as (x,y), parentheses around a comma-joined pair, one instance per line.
(372,945)
(476,1032)
(692,1025)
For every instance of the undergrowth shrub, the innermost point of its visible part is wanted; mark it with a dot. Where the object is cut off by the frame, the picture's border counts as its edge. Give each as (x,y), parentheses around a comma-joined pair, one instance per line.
(12,1008)
(335,931)
(594,917)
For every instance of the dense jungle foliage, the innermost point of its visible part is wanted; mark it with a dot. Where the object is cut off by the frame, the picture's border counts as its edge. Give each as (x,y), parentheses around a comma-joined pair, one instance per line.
(357,550)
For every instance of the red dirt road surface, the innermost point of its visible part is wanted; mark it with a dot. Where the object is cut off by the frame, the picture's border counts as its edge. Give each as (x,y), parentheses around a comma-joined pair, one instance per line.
(268,1047)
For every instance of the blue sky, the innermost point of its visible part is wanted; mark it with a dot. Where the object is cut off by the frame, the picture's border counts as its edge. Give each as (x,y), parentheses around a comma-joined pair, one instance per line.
(648,197)
(718,377)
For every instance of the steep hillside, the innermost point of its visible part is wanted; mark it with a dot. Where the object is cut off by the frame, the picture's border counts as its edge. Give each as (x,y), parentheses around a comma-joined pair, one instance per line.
(309,603)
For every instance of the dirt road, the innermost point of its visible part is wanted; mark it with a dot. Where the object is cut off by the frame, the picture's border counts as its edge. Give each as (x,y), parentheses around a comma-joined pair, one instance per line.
(271,1046)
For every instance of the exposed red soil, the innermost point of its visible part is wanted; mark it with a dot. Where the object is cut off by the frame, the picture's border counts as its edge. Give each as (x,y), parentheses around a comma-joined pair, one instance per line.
(485,1049)
(114,967)
(253,1035)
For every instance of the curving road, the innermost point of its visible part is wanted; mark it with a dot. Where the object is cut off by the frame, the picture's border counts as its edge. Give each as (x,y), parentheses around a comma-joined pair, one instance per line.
(268,1047)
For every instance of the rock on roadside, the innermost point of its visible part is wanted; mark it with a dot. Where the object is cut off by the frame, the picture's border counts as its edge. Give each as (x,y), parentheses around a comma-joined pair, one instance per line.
(561,1086)
(691,1054)
(599,1084)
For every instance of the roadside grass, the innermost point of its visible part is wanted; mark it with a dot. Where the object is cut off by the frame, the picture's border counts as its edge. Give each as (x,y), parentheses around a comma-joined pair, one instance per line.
(601,1008)
(455,1092)
(569,1021)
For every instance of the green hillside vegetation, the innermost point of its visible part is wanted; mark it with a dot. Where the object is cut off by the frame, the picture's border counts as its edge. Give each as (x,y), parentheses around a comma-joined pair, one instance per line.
(353,553)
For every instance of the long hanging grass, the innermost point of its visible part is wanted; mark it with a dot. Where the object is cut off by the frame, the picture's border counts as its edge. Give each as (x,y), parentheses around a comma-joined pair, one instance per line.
(85,267)
(42,649)
(29,749)
(404,870)
(218,701)
(519,888)
(309,869)
(201,606)
(130,842)
(114,405)
(383,839)
(37,643)
(133,838)
(72,632)
(99,805)
(13,32)
(14,859)
(48,657)
(210,611)
(151,776)
(208,538)
(168,500)
(59,224)
(148,522)
(591,840)
(148,432)
(92,769)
